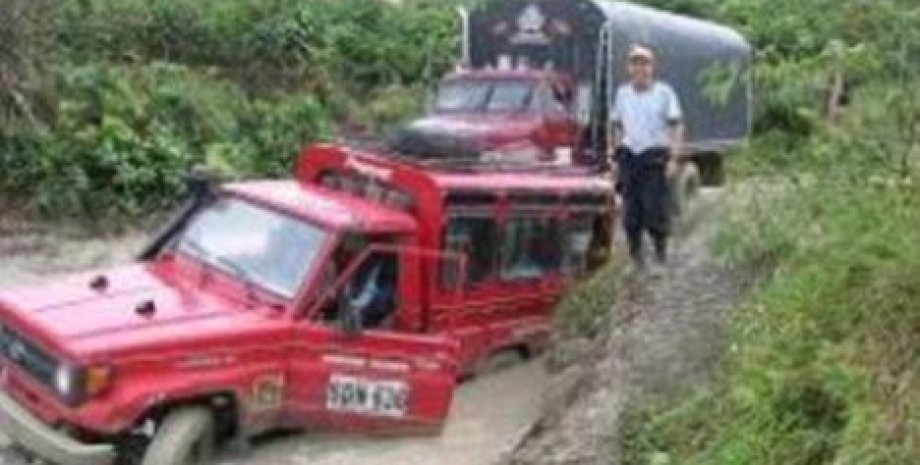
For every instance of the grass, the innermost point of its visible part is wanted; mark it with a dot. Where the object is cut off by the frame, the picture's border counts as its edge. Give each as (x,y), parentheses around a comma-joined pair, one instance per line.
(584,310)
(826,351)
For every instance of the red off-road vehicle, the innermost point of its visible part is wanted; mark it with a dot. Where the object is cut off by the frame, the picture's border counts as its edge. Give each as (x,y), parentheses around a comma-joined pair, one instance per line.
(350,298)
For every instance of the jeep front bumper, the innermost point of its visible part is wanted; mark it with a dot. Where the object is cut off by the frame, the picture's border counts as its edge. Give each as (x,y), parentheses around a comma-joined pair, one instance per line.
(24,429)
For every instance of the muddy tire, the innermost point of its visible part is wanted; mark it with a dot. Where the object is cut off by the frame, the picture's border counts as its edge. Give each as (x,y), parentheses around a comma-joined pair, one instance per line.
(186,436)
(686,188)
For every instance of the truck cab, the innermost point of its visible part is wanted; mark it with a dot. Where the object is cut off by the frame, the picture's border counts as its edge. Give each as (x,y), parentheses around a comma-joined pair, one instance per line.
(349,298)
(229,319)
(521,116)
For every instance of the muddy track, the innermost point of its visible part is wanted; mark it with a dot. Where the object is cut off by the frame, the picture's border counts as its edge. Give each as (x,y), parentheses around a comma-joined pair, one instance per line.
(664,334)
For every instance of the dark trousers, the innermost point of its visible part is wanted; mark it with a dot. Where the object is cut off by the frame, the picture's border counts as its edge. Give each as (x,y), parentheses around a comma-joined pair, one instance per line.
(646,196)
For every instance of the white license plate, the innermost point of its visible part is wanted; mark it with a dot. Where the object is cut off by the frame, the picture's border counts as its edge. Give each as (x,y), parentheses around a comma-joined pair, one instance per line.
(368,397)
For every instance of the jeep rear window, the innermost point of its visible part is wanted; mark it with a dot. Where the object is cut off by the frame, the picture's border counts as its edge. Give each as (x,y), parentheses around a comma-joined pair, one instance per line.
(510,96)
(463,95)
(266,248)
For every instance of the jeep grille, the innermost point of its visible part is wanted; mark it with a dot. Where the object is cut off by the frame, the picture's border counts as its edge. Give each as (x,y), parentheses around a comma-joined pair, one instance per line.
(28,356)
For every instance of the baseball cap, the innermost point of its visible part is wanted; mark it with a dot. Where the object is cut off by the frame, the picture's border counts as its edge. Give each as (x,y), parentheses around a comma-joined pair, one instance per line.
(639,52)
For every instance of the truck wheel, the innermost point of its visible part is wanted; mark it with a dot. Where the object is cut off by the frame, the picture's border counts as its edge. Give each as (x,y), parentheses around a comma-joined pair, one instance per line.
(686,188)
(186,436)
(712,169)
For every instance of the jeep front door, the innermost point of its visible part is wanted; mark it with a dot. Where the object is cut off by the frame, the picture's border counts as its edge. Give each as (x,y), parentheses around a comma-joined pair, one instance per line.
(370,382)
(369,375)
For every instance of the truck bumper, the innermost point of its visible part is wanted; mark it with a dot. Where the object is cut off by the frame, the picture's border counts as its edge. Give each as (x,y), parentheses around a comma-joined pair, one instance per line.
(24,429)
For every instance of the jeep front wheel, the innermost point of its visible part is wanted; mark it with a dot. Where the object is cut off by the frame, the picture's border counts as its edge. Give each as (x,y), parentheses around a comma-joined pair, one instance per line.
(186,436)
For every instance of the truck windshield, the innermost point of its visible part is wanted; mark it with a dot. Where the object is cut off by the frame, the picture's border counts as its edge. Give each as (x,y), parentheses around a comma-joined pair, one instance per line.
(263,247)
(484,95)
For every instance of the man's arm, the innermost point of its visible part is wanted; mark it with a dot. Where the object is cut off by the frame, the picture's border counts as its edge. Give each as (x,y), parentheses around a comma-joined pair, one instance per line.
(677,140)
(615,129)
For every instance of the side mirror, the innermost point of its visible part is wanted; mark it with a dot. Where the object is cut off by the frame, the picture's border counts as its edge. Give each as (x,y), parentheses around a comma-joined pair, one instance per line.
(200,183)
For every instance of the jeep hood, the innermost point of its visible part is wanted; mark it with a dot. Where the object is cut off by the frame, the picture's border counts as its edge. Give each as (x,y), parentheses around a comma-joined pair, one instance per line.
(73,316)
(491,130)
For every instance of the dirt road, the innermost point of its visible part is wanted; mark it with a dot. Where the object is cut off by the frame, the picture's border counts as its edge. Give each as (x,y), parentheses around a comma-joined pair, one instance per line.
(664,334)
(487,415)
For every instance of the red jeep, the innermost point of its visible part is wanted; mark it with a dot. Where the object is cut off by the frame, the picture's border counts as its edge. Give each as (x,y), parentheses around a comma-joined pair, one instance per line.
(350,298)
(520,113)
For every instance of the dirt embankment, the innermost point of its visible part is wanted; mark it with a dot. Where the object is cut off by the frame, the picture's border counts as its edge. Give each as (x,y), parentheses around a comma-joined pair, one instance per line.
(664,334)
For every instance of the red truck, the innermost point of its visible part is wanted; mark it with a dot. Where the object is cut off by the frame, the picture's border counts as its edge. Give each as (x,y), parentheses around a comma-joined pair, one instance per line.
(538,79)
(352,297)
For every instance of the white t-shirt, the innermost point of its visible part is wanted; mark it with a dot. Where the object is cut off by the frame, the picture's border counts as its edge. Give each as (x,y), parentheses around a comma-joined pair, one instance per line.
(646,116)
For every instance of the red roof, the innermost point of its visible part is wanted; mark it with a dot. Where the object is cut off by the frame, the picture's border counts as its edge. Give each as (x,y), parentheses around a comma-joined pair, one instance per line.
(329,208)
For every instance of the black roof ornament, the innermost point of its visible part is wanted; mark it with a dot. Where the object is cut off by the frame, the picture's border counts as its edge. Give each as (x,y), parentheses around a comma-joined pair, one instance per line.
(147,308)
(100,283)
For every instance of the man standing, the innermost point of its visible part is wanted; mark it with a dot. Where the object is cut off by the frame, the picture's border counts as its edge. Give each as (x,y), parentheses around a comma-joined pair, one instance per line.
(648,130)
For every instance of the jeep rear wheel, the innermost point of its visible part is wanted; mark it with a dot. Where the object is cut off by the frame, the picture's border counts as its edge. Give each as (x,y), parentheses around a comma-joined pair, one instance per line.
(186,436)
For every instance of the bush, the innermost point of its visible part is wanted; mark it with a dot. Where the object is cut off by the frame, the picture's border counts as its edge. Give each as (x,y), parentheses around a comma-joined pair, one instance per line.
(124,137)
(130,94)
(358,44)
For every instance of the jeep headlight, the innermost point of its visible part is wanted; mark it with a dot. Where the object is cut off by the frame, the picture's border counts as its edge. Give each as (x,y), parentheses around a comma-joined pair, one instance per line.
(77,384)
(66,383)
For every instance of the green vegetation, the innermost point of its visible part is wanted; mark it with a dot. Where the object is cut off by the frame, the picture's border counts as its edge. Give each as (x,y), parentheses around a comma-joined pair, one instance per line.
(105,105)
(824,363)
(584,310)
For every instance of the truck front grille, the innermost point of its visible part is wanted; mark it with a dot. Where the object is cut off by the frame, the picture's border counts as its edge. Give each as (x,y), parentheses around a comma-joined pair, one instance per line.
(28,356)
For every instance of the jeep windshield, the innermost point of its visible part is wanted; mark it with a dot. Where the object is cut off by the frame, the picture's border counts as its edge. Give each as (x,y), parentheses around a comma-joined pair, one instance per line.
(470,95)
(263,247)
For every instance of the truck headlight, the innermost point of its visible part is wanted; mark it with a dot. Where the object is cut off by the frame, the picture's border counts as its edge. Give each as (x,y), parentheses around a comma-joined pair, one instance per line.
(65,382)
(78,384)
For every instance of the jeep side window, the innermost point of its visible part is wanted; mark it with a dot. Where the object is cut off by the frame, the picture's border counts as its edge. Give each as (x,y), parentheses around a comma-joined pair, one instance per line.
(478,239)
(530,248)
(372,290)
